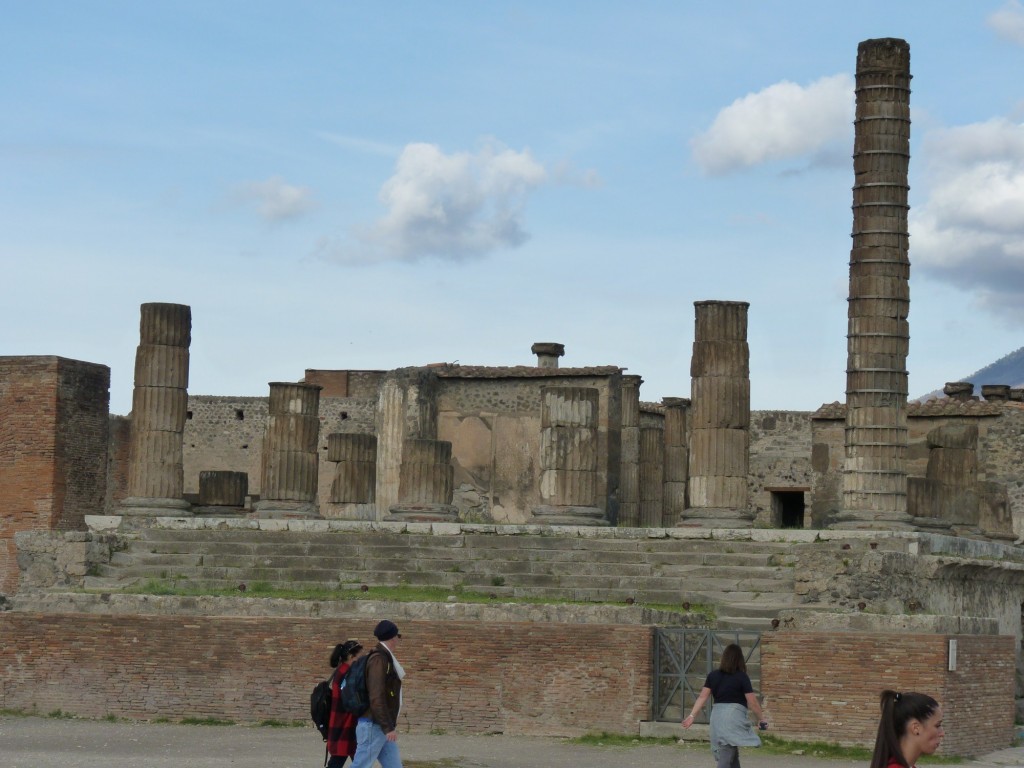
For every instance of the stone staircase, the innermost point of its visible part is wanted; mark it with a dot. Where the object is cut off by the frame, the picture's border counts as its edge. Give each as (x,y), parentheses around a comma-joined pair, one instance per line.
(746,582)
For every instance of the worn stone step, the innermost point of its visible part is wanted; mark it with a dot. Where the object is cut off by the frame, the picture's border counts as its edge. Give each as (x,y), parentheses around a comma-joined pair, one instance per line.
(133,557)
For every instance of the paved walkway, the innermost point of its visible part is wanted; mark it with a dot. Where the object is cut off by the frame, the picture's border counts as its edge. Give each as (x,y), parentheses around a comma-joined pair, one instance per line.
(37,742)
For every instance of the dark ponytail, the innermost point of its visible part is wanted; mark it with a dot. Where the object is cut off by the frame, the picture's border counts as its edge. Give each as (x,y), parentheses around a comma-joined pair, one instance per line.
(897,710)
(345,651)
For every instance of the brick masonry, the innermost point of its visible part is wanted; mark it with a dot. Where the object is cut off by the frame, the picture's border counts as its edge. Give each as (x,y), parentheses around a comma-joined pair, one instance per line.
(468,677)
(485,677)
(53,448)
(826,686)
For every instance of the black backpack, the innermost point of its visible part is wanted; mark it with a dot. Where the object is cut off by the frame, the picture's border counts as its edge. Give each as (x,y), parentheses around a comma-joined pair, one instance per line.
(354,696)
(320,704)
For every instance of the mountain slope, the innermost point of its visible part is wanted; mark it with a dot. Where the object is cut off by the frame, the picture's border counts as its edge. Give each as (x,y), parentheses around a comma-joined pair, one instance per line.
(1008,369)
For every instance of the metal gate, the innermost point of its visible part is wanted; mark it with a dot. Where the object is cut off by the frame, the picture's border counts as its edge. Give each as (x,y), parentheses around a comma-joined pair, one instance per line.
(684,657)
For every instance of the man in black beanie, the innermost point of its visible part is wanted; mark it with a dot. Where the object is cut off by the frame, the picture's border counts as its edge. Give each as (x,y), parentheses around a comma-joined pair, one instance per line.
(376,737)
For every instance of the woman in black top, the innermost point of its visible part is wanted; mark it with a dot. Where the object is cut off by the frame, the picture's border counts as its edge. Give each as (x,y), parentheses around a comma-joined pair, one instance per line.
(733,697)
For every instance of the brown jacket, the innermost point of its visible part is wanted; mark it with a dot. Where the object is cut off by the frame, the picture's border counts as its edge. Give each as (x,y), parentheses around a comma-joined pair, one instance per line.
(384,688)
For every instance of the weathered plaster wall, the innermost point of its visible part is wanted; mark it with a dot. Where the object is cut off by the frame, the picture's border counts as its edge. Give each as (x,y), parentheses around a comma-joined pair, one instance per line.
(494,428)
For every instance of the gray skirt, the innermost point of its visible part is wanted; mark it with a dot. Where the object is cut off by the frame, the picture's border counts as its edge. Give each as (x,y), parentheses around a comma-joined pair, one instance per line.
(730,725)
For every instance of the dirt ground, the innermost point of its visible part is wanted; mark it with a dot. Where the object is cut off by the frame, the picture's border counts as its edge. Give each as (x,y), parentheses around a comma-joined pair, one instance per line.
(39,742)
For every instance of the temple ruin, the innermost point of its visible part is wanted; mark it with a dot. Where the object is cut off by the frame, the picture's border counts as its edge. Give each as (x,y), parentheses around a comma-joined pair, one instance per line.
(867,521)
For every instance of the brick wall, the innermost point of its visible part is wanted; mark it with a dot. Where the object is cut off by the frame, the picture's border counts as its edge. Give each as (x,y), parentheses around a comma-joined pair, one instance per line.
(53,448)
(81,438)
(486,677)
(466,677)
(825,686)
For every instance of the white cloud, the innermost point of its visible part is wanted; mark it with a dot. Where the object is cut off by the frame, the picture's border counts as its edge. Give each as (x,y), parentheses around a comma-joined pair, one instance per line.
(1008,22)
(452,206)
(275,199)
(782,121)
(970,229)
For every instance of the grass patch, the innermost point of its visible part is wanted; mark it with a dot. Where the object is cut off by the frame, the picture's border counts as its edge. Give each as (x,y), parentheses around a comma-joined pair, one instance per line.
(605,739)
(59,714)
(205,721)
(400,593)
(282,724)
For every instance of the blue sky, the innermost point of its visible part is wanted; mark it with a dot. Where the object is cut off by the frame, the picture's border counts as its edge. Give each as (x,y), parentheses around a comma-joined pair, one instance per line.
(374,185)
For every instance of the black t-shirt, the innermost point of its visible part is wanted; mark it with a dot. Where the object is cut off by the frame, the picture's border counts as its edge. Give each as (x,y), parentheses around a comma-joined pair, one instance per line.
(729,689)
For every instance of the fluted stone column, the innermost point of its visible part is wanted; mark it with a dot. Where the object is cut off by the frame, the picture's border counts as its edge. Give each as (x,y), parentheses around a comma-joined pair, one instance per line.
(290,462)
(677,460)
(425,482)
(720,429)
(355,476)
(221,488)
(156,477)
(652,476)
(568,457)
(878,339)
(406,409)
(629,476)
(950,483)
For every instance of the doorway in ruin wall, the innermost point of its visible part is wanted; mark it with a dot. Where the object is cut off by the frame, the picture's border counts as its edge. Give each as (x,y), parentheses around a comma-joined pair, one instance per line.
(788,507)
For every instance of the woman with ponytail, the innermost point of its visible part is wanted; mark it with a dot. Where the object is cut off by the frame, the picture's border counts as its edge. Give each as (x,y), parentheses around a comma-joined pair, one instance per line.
(733,694)
(341,728)
(910,726)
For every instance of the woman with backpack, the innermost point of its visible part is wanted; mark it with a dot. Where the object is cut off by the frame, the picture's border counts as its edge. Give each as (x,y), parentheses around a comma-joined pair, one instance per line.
(734,697)
(341,728)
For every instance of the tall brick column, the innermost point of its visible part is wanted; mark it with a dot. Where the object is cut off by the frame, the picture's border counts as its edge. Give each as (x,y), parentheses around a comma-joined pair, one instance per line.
(629,478)
(568,457)
(290,462)
(156,475)
(720,435)
(677,460)
(878,339)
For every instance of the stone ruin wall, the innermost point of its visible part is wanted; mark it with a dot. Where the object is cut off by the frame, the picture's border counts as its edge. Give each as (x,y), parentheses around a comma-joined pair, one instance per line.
(494,426)
(226,433)
(1000,456)
(345,383)
(780,458)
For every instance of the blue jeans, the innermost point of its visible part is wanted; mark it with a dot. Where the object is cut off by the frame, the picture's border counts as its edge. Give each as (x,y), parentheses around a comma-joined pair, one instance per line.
(372,744)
